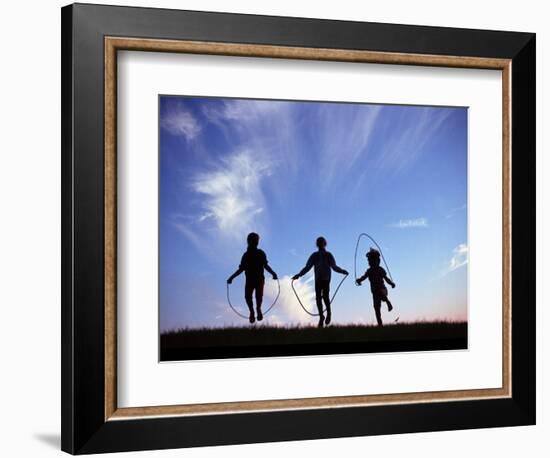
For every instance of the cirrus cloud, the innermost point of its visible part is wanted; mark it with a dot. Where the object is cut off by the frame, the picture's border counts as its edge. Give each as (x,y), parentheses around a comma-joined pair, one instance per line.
(458,259)
(232,196)
(179,121)
(411,223)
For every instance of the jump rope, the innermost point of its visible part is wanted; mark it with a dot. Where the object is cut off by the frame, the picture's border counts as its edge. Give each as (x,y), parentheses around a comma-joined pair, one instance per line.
(268,309)
(363,234)
(330,302)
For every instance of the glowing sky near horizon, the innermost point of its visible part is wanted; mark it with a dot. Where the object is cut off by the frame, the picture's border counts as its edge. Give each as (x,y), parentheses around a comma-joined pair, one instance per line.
(292,171)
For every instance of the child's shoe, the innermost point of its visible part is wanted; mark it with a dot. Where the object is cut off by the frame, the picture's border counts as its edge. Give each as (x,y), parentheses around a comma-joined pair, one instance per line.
(252,319)
(259,315)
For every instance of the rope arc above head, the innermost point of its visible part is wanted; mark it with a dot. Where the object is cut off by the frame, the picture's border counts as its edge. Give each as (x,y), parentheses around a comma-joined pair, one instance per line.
(363,234)
(264,313)
(331,300)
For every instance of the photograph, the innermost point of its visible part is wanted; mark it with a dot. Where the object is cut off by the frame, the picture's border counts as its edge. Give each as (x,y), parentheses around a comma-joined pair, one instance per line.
(299,227)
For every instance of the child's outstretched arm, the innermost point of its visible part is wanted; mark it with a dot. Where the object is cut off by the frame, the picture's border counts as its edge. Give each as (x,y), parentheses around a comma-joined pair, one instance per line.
(306,269)
(389,282)
(238,272)
(361,279)
(335,267)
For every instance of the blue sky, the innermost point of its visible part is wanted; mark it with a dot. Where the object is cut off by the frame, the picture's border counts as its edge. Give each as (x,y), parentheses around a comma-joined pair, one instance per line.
(292,171)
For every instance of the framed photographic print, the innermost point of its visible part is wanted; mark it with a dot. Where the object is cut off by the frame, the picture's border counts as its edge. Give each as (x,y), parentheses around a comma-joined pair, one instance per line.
(253,203)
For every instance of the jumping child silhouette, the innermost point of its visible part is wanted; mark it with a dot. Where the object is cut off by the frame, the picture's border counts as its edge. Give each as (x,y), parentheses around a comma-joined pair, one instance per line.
(376,276)
(323,262)
(253,263)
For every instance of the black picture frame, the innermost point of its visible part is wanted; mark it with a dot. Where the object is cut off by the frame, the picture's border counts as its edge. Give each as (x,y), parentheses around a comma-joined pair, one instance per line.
(84,427)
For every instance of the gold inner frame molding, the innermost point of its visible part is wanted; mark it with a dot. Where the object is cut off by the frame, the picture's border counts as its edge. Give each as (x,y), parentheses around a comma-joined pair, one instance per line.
(114,44)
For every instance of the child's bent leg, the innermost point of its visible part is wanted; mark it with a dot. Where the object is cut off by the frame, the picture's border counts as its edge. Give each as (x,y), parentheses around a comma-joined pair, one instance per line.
(390,306)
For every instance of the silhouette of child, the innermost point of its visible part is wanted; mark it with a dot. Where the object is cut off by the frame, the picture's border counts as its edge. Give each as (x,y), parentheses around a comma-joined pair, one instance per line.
(253,263)
(323,261)
(376,276)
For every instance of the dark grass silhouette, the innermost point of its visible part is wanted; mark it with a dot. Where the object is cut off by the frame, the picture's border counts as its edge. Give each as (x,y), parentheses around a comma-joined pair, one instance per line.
(230,342)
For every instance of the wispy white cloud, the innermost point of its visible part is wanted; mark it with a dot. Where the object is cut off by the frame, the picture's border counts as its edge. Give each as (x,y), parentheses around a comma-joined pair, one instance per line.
(186,230)
(458,259)
(411,223)
(185,225)
(233,199)
(227,193)
(455,210)
(268,125)
(365,141)
(407,145)
(345,138)
(245,110)
(179,121)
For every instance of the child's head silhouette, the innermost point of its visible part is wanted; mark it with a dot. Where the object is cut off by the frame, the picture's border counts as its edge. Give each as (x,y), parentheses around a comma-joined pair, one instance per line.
(253,240)
(321,242)
(373,257)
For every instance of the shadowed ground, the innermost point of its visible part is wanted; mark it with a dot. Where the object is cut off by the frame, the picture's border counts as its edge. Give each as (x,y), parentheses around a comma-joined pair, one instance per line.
(233,342)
